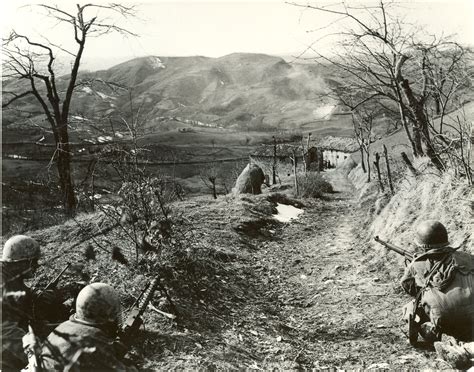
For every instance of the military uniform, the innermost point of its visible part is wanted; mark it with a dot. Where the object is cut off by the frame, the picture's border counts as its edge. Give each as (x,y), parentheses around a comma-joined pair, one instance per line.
(86,347)
(86,342)
(442,281)
(20,306)
(447,296)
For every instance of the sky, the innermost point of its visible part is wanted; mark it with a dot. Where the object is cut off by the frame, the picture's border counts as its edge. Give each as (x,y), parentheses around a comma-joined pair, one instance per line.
(217,28)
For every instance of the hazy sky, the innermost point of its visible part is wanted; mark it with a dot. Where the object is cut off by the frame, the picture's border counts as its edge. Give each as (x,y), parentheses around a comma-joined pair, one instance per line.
(216,28)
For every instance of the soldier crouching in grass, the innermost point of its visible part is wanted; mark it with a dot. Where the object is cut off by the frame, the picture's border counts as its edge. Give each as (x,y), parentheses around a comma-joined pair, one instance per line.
(442,281)
(22,306)
(88,341)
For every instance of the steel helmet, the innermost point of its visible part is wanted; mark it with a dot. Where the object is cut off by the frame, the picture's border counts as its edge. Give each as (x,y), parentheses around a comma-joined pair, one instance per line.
(20,248)
(98,303)
(431,234)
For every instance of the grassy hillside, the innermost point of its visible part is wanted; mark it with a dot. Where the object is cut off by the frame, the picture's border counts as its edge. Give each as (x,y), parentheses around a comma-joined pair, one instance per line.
(243,92)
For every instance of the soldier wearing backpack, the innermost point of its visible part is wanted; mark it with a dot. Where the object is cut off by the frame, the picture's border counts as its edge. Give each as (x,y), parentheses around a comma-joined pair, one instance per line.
(441,280)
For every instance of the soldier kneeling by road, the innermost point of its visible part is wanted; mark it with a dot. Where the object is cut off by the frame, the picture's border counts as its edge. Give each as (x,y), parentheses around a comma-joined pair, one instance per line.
(442,281)
(87,342)
(20,305)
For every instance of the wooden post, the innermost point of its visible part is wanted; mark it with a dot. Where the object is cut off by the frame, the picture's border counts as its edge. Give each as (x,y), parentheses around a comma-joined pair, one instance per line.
(294,159)
(389,174)
(307,152)
(274,161)
(377,166)
(303,155)
(409,164)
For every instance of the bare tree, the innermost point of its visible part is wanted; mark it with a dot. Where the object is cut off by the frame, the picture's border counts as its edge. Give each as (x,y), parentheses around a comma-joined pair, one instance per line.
(34,62)
(362,120)
(390,63)
(210,176)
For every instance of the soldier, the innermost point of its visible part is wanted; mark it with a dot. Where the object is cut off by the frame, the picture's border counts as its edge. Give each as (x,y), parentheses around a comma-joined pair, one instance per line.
(21,306)
(86,342)
(442,282)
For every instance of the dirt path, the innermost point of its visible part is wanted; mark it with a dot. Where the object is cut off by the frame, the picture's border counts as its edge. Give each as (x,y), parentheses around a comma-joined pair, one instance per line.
(328,306)
(306,294)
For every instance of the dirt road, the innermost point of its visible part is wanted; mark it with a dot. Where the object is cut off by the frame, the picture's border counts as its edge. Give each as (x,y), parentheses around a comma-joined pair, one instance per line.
(310,296)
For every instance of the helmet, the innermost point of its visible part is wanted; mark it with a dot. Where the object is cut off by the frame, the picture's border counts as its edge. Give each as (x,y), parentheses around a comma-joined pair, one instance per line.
(98,303)
(20,248)
(431,234)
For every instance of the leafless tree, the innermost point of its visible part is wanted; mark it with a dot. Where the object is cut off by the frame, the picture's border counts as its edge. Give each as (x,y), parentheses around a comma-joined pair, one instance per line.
(362,120)
(34,62)
(390,63)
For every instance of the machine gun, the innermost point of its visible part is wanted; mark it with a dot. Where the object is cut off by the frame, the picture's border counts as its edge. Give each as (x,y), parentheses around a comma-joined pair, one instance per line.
(408,255)
(133,320)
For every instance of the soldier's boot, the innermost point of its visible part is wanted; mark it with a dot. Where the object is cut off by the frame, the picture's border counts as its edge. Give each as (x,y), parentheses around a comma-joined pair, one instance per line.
(429,332)
(456,355)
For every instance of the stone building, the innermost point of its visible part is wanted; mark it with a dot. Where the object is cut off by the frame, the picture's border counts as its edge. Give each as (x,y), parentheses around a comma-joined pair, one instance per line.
(264,158)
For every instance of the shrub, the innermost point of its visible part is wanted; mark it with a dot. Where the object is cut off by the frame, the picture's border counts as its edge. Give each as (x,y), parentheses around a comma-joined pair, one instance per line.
(312,185)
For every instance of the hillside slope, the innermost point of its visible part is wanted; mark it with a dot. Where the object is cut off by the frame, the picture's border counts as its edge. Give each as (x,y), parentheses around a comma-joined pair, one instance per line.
(238,91)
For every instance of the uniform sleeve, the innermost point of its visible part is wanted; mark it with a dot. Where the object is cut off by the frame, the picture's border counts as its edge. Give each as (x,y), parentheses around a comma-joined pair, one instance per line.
(12,356)
(408,282)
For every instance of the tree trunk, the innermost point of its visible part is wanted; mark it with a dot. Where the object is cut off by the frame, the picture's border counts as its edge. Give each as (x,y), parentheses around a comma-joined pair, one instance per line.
(64,171)
(421,122)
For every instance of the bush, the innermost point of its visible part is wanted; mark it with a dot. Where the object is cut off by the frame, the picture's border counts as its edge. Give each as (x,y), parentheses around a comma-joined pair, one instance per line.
(312,185)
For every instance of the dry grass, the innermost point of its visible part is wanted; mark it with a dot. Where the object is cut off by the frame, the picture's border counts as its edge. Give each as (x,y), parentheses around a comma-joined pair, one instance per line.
(313,185)
(430,195)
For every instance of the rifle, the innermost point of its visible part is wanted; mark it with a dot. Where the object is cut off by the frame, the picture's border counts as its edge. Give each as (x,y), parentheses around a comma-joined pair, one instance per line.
(53,283)
(32,350)
(134,321)
(401,251)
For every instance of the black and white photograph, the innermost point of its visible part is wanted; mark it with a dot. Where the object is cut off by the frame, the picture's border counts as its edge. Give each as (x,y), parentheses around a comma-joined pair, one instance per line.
(230,185)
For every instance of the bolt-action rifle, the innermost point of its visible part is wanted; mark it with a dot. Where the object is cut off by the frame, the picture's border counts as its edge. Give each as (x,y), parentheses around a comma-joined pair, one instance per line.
(413,325)
(53,283)
(401,251)
(134,321)
(32,349)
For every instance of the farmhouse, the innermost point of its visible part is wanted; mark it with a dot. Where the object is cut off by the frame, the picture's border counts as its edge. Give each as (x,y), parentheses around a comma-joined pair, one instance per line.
(328,152)
(282,154)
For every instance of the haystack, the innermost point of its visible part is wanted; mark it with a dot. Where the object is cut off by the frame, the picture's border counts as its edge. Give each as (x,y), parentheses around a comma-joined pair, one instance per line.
(250,181)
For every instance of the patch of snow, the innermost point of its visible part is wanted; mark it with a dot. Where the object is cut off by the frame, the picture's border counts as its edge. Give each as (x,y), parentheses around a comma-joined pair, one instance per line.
(286,213)
(118,134)
(81,118)
(90,141)
(156,63)
(14,156)
(105,96)
(81,150)
(87,90)
(103,139)
(324,112)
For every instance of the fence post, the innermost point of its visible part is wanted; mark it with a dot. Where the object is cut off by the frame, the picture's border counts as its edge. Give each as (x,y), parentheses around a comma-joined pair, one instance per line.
(389,174)
(377,166)
(274,161)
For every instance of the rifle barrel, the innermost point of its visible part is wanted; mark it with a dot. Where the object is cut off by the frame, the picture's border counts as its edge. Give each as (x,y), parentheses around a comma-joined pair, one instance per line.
(394,248)
(55,281)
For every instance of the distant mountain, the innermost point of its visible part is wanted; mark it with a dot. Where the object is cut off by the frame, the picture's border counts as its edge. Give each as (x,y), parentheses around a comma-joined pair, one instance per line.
(241,91)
